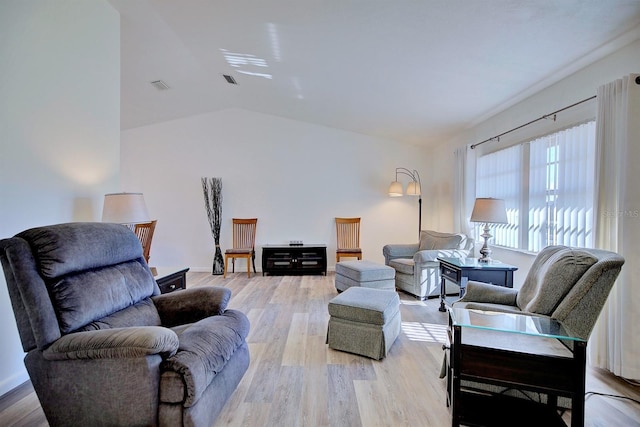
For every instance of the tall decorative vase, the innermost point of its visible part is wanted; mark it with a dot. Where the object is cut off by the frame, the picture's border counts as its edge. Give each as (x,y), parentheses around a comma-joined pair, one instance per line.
(212,189)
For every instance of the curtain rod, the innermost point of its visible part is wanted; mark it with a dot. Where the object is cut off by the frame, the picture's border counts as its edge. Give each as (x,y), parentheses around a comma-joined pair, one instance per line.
(546,116)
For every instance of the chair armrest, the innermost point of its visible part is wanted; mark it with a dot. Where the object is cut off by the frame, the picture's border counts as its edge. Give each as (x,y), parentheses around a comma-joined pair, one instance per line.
(399,251)
(114,343)
(191,305)
(431,255)
(484,292)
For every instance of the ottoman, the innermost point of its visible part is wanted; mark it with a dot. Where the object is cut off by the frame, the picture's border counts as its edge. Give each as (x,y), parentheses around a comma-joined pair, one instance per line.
(366,274)
(364,321)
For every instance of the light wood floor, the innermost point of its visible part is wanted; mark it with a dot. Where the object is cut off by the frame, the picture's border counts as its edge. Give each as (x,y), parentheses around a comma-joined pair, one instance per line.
(295,380)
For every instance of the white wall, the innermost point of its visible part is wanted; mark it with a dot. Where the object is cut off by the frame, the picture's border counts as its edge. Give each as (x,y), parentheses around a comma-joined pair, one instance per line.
(59,127)
(580,85)
(294,177)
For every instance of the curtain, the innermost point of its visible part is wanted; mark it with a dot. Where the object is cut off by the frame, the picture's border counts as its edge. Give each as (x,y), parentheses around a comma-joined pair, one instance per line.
(499,175)
(464,189)
(561,188)
(614,345)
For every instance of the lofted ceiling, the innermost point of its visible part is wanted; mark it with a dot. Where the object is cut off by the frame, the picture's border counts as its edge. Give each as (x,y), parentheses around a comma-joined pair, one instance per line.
(413,71)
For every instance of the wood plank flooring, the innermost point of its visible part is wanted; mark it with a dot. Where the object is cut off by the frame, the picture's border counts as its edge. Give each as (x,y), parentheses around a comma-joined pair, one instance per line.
(295,380)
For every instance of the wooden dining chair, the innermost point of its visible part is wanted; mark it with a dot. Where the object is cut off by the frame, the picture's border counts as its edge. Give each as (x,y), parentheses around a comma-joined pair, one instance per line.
(348,238)
(244,242)
(144,231)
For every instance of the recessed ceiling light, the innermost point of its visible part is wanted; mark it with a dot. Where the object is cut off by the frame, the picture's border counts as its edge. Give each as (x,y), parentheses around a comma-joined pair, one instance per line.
(160,85)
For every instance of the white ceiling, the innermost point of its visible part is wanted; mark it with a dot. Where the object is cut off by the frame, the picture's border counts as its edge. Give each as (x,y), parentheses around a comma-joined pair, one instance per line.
(415,71)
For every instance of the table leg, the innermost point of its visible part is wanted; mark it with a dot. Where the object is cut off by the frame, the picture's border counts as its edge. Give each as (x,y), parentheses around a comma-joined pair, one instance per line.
(577,402)
(443,289)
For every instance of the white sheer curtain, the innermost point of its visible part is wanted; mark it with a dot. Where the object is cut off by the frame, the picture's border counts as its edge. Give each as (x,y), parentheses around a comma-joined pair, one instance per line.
(464,189)
(561,188)
(615,343)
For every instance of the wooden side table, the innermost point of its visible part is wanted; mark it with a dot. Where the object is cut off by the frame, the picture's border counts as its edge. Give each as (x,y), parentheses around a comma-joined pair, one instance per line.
(514,351)
(461,270)
(170,279)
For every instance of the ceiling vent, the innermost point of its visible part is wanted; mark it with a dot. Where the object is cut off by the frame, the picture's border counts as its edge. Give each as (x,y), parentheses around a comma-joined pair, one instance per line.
(230,79)
(160,85)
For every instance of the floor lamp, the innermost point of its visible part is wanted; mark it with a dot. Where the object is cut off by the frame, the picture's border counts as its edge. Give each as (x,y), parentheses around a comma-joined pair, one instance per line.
(414,188)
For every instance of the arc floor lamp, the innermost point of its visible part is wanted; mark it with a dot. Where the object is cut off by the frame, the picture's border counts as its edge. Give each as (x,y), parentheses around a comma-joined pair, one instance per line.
(414,188)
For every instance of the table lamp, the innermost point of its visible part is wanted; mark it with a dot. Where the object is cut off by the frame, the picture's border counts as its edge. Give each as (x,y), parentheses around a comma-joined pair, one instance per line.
(488,211)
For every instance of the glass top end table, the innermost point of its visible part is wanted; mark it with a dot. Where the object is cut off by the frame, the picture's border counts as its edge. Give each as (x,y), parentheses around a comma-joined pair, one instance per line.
(511,323)
(512,351)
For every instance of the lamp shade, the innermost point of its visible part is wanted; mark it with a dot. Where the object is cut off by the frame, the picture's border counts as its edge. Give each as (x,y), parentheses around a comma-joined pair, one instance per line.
(124,208)
(395,189)
(489,210)
(413,189)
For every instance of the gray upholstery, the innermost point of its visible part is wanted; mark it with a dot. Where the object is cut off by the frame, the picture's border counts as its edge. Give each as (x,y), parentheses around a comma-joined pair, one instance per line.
(364,321)
(568,284)
(103,346)
(416,264)
(364,273)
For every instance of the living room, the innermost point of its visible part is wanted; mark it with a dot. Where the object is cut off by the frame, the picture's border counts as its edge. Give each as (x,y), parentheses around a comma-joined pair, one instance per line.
(63,149)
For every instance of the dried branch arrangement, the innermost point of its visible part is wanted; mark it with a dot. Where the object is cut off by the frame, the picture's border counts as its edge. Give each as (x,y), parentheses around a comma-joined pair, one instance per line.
(212,189)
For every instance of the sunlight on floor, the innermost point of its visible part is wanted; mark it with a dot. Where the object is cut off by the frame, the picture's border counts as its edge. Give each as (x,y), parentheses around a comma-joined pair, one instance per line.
(426,332)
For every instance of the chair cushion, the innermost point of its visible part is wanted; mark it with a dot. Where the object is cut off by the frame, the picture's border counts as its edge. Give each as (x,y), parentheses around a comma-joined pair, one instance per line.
(65,248)
(81,298)
(246,251)
(552,279)
(402,265)
(205,348)
(435,240)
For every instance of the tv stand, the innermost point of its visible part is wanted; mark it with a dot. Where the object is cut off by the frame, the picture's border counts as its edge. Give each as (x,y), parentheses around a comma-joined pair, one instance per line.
(294,259)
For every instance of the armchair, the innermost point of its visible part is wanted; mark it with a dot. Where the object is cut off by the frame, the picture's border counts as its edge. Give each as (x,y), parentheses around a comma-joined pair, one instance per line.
(567,284)
(103,346)
(416,264)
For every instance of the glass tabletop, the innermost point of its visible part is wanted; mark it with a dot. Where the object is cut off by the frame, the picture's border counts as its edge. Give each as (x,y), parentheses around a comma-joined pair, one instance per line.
(510,322)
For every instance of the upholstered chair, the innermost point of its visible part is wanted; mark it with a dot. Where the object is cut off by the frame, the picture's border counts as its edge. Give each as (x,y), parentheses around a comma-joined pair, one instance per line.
(416,264)
(104,347)
(567,284)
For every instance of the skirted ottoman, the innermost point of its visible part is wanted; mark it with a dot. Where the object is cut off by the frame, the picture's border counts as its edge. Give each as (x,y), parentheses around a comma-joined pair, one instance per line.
(364,321)
(366,274)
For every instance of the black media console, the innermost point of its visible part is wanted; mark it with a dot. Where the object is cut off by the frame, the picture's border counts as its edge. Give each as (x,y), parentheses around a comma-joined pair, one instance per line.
(294,259)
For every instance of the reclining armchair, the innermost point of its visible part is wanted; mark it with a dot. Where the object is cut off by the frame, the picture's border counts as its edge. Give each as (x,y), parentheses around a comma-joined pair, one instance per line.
(103,346)
(567,284)
(416,265)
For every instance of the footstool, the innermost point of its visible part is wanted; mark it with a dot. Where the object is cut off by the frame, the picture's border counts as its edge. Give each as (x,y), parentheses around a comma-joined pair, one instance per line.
(365,274)
(364,321)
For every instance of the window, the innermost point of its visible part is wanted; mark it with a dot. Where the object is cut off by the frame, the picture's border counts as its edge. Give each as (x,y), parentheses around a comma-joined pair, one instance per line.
(548,188)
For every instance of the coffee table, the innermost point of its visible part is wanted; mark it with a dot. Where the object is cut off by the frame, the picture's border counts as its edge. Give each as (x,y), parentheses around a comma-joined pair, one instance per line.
(516,351)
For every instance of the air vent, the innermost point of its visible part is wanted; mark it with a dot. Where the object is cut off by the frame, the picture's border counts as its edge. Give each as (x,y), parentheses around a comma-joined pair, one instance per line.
(230,79)
(160,85)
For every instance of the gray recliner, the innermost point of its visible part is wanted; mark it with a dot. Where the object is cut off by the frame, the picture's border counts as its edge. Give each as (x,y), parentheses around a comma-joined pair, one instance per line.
(103,346)
(564,283)
(416,264)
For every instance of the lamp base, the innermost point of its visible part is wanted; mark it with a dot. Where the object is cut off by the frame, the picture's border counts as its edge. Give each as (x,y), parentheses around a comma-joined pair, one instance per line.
(485,251)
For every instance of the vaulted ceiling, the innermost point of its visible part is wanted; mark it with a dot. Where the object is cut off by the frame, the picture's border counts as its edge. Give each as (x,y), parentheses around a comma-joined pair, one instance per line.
(414,71)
